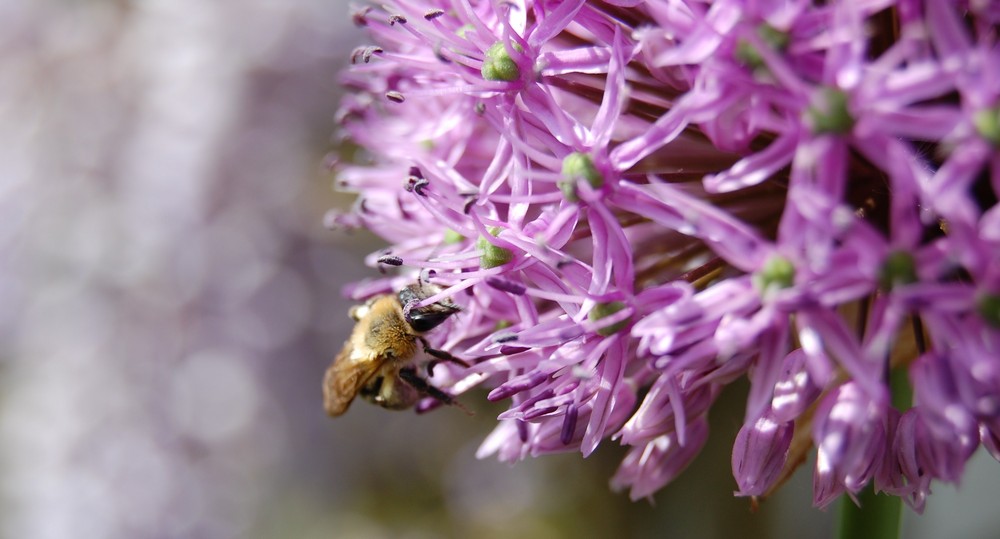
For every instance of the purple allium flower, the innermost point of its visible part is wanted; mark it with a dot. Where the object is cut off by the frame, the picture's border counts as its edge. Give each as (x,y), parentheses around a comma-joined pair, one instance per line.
(637,204)
(849,434)
(759,454)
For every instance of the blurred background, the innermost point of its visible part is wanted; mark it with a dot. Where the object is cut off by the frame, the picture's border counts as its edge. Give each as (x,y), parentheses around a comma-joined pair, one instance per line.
(169,300)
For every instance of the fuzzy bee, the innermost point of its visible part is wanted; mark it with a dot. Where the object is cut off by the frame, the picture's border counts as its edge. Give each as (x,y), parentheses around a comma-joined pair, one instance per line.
(377,361)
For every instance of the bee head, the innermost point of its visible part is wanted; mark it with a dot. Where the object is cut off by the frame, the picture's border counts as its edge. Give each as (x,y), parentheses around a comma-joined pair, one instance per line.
(423,319)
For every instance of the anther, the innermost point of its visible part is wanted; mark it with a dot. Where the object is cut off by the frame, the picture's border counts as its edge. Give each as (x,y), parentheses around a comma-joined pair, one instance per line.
(417,185)
(506,285)
(505,337)
(390,260)
(359,17)
(365,53)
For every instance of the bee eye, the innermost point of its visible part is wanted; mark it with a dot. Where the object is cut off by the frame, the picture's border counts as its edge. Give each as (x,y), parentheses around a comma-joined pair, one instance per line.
(422,322)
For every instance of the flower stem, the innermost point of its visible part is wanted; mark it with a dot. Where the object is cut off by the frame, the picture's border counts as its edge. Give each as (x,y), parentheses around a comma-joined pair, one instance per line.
(878,517)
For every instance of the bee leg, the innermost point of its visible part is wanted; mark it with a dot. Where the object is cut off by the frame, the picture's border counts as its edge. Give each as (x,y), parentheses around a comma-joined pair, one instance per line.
(442,355)
(372,390)
(411,377)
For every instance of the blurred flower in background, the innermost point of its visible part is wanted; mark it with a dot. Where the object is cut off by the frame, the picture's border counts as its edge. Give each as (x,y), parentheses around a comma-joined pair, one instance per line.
(639,203)
(162,195)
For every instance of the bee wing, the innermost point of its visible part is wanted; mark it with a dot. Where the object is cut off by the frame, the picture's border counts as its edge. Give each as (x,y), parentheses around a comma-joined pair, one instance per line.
(345,377)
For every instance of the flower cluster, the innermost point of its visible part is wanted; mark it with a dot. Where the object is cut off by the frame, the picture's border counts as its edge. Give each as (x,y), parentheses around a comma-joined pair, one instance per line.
(639,203)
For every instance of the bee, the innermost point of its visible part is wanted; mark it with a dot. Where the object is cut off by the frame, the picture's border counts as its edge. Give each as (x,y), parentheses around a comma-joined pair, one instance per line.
(377,361)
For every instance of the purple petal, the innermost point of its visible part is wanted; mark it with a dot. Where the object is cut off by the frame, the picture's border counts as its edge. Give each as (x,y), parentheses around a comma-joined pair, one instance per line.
(759,454)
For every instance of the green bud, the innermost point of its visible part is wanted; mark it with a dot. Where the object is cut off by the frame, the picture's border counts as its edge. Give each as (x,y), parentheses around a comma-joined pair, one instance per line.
(498,65)
(575,166)
(451,237)
(829,113)
(568,189)
(772,36)
(988,124)
(502,324)
(988,306)
(748,54)
(898,269)
(491,256)
(778,272)
(604,310)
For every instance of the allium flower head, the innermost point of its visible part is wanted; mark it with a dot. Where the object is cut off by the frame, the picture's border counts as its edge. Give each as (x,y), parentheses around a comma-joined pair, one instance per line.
(637,204)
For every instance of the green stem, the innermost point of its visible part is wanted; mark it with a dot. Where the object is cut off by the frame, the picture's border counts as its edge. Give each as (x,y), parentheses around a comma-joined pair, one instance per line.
(879,516)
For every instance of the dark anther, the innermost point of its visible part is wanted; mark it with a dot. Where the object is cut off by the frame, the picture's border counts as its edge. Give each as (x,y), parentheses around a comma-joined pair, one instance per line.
(432,14)
(480,108)
(390,260)
(365,53)
(468,205)
(394,96)
(360,16)
(356,53)
(506,285)
(505,337)
(370,52)
(393,19)
(416,185)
